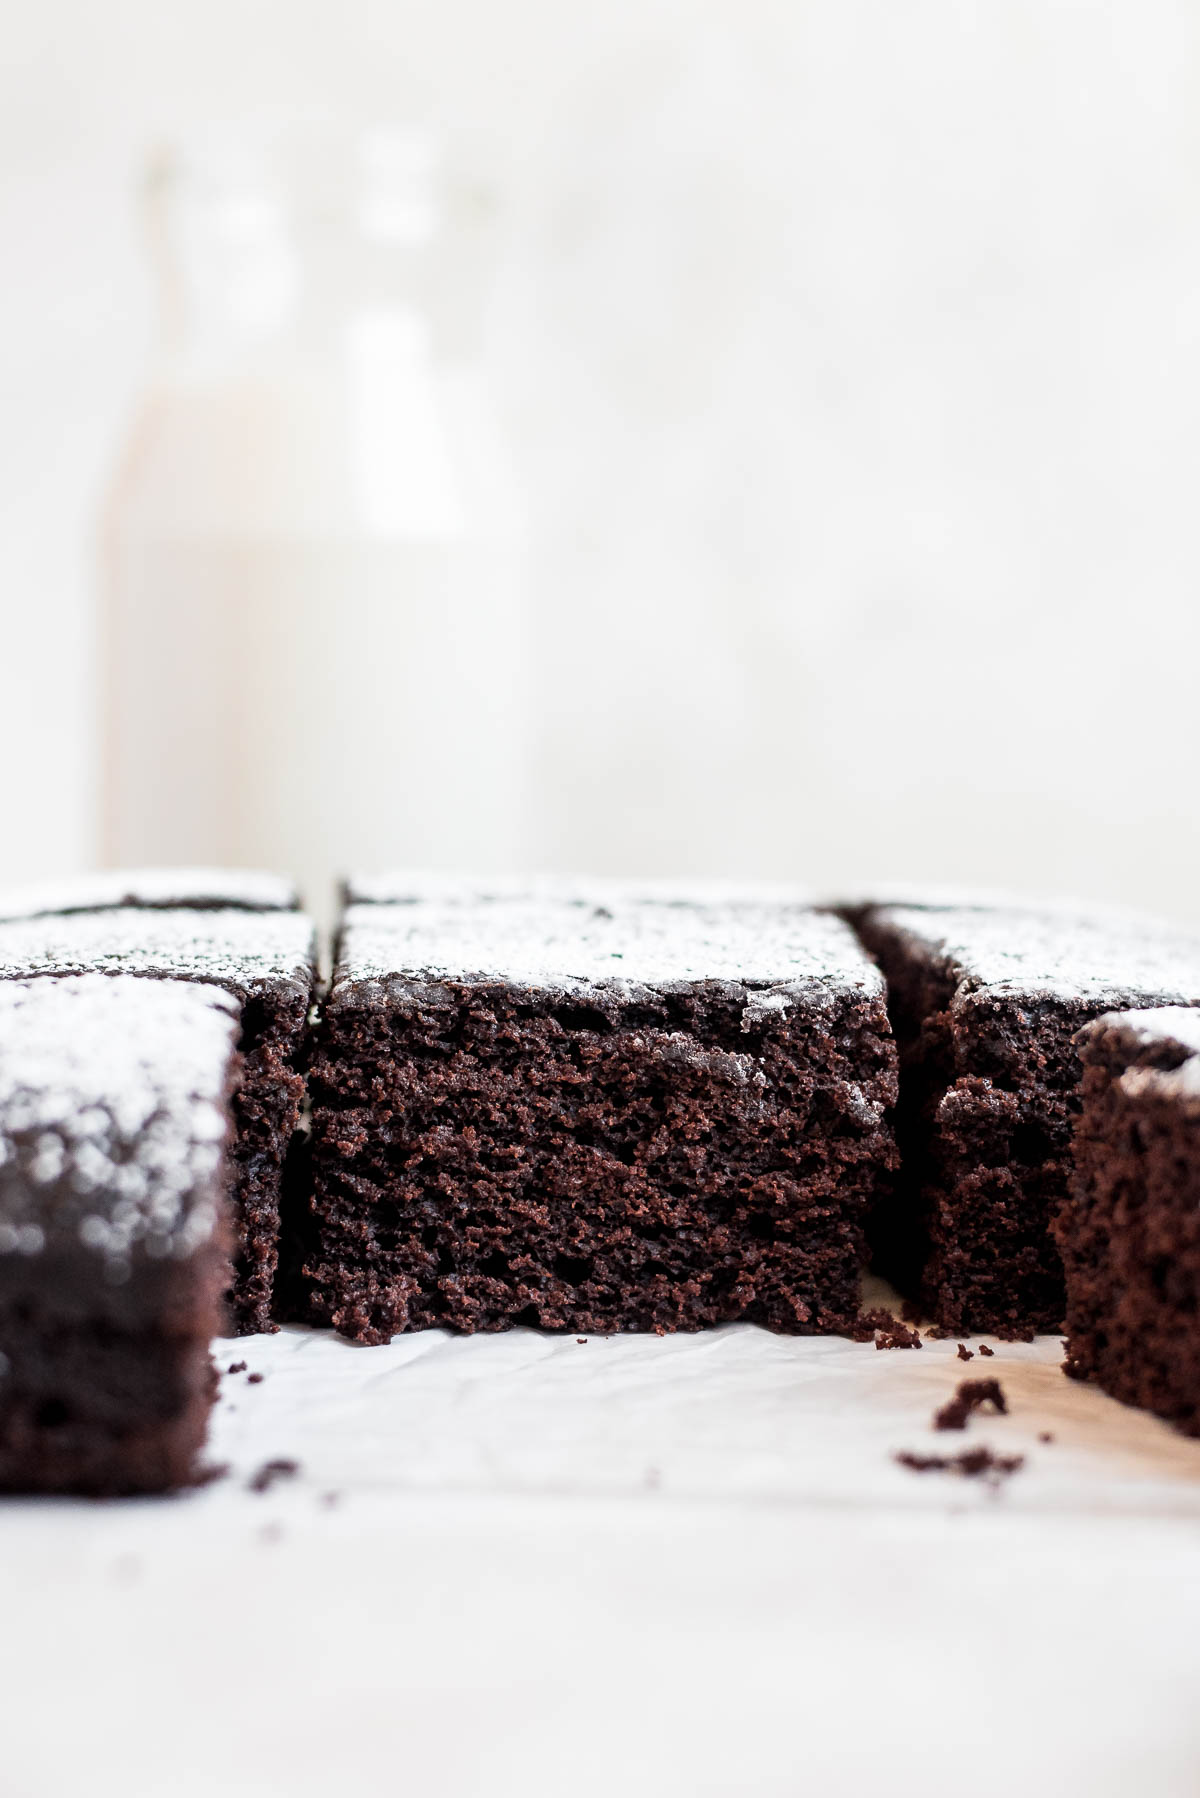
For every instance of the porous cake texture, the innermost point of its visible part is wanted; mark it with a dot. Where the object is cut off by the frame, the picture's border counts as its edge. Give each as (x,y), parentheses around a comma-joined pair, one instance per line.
(595,1115)
(985,1004)
(266,960)
(159,889)
(114,1117)
(1129,1232)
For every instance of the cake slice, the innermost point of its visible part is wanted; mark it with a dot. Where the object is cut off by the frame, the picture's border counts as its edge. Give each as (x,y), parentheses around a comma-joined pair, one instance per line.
(266,961)
(158,889)
(114,1116)
(985,1004)
(1129,1232)
(595,1116)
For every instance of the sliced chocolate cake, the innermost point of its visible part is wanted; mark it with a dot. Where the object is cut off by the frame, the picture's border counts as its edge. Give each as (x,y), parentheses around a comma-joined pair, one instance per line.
(159,889)
(985,1004)
(595,1116)
(1129,1233)
(266,960)
(114,1118)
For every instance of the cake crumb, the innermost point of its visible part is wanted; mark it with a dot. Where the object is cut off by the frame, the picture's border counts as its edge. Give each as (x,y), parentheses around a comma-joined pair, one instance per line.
(1045,1436)
(971,1395)
(964,1353)
(970,1463)
(900,1337)
(581,1340)
(888,1331)
(272,1471)
(236,1367)
(985,1350)
(254,1379)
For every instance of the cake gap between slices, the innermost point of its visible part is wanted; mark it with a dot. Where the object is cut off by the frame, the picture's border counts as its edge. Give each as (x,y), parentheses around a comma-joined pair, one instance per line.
(986,1002)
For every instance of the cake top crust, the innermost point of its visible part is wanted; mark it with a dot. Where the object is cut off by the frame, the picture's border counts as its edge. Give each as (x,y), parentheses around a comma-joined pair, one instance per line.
(1098,957)
(619,948)
(414,886)
(884,897)
(245,952)
(113,1116)
(194,889)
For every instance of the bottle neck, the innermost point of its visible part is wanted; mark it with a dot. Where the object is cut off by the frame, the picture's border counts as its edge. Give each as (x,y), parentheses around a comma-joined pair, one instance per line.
(274,252)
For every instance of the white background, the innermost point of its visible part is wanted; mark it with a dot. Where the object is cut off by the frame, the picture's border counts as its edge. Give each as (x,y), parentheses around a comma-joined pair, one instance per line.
(850,357)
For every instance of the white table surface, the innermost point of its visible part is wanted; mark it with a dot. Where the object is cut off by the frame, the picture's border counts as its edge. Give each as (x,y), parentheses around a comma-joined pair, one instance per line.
(630,1565)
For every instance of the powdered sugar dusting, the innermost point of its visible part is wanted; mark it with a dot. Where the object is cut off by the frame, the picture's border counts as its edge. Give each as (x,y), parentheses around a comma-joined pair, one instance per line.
(408,887)
(112,1115)
(245,889)
(619,945)
(1100,957)
(244,951)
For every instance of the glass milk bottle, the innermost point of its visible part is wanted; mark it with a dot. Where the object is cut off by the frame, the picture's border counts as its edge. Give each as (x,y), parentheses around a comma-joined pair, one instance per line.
(313,549)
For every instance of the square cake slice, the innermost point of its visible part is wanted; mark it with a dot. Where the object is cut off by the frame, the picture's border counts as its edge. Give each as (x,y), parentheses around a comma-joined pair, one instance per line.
(1129,1232)
(114,1117)
(595,1116)
(985,1004)
(266,960)
(157,889)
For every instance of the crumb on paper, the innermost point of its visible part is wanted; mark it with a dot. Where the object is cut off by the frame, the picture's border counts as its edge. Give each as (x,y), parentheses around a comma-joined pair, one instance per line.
(889,1332)
(254,1379)
(985,1350)
(236,1367)
(971,1395)
(964,1353)
(970,1464)
(271,1472)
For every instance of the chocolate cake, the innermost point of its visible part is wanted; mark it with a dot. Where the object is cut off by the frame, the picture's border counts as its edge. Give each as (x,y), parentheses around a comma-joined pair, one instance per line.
(595,1116)
(985,1004)
(114,1114)
(1129,1232)
(266,960)
(158,889)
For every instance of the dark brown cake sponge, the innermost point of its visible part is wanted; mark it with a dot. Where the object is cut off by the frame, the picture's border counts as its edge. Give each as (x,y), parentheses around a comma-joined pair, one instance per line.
(114,1119)
(1129,1231)
(986,1003)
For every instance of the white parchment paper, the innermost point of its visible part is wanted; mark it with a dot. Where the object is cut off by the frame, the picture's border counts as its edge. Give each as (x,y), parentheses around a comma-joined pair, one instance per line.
(523,1564)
